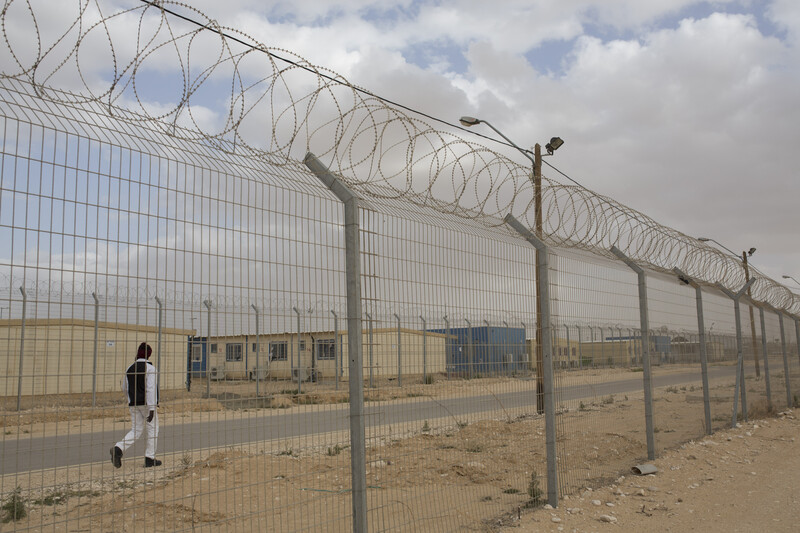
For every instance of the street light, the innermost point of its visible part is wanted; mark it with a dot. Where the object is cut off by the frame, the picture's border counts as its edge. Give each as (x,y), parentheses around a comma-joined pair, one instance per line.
(745,255)
(791,278)
(554,144)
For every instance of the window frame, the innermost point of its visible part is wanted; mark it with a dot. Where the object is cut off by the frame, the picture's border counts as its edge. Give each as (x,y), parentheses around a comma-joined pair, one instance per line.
(230,347)
(278,357)
(329,346)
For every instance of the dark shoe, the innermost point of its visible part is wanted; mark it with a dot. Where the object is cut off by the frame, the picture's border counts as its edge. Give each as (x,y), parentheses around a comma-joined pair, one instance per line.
(116,457)
(151,462)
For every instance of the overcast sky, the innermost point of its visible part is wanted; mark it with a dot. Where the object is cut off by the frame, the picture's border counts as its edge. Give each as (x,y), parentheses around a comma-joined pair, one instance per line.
(687,111)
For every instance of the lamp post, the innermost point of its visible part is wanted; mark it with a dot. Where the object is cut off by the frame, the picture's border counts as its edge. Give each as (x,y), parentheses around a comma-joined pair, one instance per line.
(791,278)
(745,255)
(554,144)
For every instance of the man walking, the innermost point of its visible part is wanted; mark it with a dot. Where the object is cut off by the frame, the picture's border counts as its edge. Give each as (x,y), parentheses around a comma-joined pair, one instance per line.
(139,386)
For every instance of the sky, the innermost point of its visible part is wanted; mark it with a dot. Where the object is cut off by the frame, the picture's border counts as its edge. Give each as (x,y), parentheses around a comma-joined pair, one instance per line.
(686,111)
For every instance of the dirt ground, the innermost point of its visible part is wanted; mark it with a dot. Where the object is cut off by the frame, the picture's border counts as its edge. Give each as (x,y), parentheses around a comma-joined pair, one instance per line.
(745,479)
(451,474)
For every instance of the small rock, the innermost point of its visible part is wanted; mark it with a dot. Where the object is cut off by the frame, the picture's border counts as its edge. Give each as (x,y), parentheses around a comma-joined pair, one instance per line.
(640,492)
(547,506)
(753,473)
(607,518)
(555,519)
(738,425)
(609,504)
(597,502)
(652,489)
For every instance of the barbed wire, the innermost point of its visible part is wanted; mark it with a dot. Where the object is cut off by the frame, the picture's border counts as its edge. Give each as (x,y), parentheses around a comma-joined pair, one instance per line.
(113,59)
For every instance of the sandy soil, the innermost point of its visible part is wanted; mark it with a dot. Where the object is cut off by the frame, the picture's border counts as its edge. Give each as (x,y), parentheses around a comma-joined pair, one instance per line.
(448,474)
(745,479)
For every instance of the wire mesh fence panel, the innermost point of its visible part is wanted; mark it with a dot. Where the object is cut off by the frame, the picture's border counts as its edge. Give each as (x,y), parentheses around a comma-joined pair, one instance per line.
(452,424)
(190,316)
(232,275)
(597,353)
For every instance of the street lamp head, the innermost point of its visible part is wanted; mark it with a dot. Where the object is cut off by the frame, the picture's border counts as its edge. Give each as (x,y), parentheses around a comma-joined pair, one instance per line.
(751,251)
(787,277)
(554,144)
(703,239)
(469,121)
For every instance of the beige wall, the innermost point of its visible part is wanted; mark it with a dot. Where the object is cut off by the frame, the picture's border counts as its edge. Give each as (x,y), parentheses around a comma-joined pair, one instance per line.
(58,355)
(385,350)
(384,353)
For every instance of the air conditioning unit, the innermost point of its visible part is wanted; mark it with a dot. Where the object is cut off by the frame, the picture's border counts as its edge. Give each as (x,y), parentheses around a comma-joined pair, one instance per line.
(216,373)
(259,374)
(303,374)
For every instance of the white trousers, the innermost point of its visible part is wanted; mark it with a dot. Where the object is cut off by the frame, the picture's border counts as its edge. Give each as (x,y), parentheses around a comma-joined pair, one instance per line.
(139,424)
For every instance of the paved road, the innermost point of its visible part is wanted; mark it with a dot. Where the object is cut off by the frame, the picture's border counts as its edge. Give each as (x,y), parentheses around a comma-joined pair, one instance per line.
(82,448)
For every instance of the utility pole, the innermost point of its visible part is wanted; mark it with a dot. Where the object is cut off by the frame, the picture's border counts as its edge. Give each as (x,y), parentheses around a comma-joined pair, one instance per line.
(752,320)
(537,206)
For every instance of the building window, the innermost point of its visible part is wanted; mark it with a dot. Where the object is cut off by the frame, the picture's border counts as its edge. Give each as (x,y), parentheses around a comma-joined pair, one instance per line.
(326,349)
(278,351)
(302,346)
(197,353)
(255,347)
(233,352)
(213,348)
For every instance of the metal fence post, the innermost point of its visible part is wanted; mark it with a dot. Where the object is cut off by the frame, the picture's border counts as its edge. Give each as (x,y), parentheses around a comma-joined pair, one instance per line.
(399,354)
(739,352)
(591,342)
(299,362)
(369,317)
(766,356)
(602,346)
(94,355)
(258,350)
(488,350)
(358,467)
(785,362)
(580,347)
(701,329)
(506,349)
(158,342)
(21,345)
(470,351)
(525,345)
(448,364)
(335,349)
(797,335)
(424,352)
(645,328)
(207,303)
(543,291)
